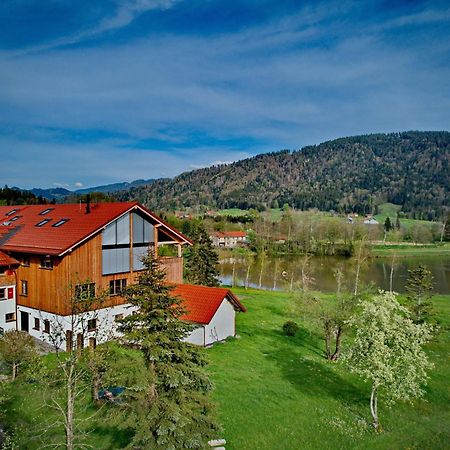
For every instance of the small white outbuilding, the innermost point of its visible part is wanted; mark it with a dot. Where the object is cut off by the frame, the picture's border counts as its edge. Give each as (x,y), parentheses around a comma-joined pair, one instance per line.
(212,310)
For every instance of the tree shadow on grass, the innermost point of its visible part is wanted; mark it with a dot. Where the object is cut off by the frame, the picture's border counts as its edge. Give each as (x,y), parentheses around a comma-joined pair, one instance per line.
(118,437)
(306,372)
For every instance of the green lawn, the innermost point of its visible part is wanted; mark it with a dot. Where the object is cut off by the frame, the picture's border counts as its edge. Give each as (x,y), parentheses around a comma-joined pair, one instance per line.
(390,210)
(278,393)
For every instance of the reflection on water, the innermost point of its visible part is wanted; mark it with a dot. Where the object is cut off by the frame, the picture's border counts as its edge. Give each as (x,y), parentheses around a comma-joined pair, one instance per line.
(282,272)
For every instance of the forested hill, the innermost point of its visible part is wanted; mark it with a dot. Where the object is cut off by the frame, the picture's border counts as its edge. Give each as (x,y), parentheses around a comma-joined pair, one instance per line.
(348,174)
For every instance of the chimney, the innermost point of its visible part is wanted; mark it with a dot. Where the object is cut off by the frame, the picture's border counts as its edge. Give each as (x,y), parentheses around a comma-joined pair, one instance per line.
(88,203)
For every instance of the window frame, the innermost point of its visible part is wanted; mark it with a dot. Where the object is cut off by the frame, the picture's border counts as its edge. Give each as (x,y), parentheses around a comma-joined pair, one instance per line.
(24,288)
(13,314)
(117,286)
(91,328)
(37,324)
(46,262)
(46,328)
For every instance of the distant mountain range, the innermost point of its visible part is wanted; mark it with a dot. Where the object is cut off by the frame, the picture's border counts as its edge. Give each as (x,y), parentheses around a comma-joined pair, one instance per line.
(60,193)
(411,169)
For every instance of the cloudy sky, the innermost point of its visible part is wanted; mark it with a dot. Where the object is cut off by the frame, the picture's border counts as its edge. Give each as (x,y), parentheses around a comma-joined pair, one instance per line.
(95,92)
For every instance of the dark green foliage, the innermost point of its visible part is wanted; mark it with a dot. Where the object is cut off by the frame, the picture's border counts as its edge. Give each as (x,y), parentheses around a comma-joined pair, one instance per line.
(419,291)
(171,409)
(290,328)
(348,174)
(16,196)
(388,225)
(201,258)
(397,222)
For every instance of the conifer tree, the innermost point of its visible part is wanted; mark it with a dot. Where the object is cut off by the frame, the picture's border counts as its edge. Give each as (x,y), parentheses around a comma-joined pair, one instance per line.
(397,222)
(172,410)
(202,259)
(419,290)
(388,225)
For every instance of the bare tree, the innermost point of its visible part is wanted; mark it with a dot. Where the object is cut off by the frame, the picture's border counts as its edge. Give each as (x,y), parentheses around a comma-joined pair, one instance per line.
(68,378)
(361,257)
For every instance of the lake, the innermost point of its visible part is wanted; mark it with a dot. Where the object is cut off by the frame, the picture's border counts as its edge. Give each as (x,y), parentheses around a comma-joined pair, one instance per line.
(279,272)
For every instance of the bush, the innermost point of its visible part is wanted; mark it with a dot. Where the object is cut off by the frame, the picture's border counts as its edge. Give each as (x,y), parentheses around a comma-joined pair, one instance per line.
(290,328)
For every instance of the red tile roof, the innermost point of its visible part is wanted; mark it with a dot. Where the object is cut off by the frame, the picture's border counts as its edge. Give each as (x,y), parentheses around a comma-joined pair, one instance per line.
(202,302)
(230,234)
(7,261)
(22,234)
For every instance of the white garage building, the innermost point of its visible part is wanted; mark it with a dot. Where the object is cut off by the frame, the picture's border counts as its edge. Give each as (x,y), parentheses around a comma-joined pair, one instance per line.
(212,310)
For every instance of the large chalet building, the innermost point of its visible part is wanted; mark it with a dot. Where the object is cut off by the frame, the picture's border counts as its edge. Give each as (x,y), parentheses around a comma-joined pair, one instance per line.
(49,253)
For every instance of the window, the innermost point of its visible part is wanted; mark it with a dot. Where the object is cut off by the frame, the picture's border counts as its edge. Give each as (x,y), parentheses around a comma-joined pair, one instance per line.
(42,222)
(60,222)
(3,294)
(142,239)
(46,262)
(2,271)
(25,260)
(6,293)
(116,286)
(118,317)
(10,317)
(116,246)
(86,290)
(92,324)
(15,218)
(46,326)
(24,287)
(37,324)
(46,211)
(10,213)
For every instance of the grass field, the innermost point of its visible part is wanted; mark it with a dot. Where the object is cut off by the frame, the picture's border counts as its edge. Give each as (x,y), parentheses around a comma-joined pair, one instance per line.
(390,210)
(278,393)
(401,250)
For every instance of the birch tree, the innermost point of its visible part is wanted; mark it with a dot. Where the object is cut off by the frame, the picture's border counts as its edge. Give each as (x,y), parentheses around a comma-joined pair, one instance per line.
(388,352)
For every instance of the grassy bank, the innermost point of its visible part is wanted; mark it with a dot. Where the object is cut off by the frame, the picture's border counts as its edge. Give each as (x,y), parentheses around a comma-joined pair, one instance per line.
(411,250)
(277,392)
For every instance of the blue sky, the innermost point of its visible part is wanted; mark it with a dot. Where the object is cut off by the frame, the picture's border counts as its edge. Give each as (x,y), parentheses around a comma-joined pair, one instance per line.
(95,92)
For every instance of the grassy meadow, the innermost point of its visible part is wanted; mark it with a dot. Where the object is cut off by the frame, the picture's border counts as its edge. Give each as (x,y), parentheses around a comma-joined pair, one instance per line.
(278,392)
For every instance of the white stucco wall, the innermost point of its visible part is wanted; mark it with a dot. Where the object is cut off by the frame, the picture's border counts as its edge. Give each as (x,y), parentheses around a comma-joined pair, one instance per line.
(7,307)
(222,324)
(105,322)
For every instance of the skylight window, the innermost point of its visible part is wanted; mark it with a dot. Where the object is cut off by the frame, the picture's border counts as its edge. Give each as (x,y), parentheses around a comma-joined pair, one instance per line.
(14,218)
(43,222)
(46,211)
(60,222)
(10,213)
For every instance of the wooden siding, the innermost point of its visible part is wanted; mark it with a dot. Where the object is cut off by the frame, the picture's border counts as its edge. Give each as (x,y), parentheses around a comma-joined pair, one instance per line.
(51,289)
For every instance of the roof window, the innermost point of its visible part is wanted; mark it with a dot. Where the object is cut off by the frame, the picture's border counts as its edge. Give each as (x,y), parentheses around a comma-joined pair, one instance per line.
(10,213)
(46,211)
(42,222)
(60,222)
(15,218)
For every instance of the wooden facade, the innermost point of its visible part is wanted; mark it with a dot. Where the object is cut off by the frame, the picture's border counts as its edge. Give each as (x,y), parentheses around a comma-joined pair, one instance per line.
(48,283)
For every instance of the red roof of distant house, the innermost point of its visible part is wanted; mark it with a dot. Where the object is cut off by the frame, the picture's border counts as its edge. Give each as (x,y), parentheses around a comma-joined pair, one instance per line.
(7,261)
(202,302)
(18,230)
(231,234)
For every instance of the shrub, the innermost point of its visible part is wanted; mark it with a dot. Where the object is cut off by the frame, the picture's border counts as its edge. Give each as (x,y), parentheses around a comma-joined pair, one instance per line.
(290,328)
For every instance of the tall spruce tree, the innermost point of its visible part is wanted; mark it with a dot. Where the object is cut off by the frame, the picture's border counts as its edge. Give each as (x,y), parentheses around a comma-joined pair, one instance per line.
(202,259)
(172,409)
(419,291)
(397,222)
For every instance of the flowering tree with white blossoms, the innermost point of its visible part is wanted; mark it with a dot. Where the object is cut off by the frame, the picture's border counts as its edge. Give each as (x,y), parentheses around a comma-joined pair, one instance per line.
(388,352)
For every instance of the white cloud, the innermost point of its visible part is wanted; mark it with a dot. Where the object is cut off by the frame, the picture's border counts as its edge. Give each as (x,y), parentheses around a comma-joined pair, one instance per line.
(78,184)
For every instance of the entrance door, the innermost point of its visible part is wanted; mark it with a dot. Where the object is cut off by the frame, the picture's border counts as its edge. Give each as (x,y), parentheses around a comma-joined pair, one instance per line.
(24,321)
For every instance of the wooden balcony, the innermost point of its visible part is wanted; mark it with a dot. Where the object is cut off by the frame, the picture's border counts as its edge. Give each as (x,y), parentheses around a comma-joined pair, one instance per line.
(173,267)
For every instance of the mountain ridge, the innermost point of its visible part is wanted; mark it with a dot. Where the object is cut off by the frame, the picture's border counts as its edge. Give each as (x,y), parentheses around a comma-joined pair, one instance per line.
(345,174)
